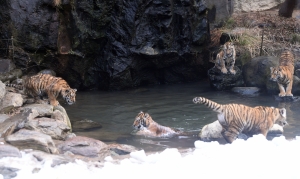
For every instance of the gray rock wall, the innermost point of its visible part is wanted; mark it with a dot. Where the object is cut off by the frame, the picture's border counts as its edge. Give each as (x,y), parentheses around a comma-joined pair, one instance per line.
(109,44)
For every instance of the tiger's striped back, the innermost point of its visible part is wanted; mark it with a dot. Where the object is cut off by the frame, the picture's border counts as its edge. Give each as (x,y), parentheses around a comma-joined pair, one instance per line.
(287,59)
(238,118)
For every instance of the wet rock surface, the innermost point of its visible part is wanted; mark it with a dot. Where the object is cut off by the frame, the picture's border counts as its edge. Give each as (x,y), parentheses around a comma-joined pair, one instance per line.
(247,91)
(221,81)
(287,98)
(83,146)
(85,124)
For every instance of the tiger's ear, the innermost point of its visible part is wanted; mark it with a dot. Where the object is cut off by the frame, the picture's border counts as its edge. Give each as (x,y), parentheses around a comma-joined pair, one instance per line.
(282,112)
(75,90)
(146,115)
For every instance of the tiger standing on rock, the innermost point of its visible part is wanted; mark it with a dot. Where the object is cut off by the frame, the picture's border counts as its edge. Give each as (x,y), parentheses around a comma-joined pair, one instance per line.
(238,118)
(284,73)
(45,84)
(145,125)
(226,58)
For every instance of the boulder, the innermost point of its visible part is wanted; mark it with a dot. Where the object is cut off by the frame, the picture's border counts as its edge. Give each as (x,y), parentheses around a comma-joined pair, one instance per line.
(42,109)
(11,75)
(221,81)
(256,73)
(16,122)
(121,149)
(61,114)
(253,5)
(46,110)
(27,139)
(247,91)
(9,151)
(12,99)
(55,128)
(213,131)
(85,124)
(84,146)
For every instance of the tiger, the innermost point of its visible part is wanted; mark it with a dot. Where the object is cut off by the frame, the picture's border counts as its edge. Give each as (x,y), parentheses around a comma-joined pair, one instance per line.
(145,125)
(283,74)
(226,58)
(238,118)
(45,84)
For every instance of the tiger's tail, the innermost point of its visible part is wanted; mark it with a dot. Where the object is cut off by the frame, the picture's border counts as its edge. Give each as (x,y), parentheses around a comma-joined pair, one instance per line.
(20,87)
(210,104)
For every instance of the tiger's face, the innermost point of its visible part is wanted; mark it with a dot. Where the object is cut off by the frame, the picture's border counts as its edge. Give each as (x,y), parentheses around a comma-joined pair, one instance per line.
(275,73)
(69,95)
(142,120)
(228,48)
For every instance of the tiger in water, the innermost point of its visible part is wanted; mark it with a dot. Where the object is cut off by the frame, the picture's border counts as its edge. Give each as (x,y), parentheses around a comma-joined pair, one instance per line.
(145,125)
(46,84)
(284,73)
(238,118)
(226,58)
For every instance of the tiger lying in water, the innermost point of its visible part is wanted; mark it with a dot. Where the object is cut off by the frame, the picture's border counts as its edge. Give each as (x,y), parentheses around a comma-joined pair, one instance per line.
(41,84)
(283,74)
(145,125)
(238,118)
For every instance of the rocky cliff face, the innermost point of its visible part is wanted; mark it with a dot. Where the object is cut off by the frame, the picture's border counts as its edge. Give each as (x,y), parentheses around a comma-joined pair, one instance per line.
(109,44)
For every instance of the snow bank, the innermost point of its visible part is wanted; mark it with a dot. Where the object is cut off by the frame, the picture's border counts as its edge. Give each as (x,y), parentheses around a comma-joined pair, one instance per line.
(254,158)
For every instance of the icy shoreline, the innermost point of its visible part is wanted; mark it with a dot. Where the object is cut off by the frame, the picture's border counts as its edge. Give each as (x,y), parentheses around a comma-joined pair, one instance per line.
(254,158)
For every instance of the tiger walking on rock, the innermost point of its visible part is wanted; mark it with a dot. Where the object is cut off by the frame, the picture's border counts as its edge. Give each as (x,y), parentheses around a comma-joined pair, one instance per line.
(284,73)
(45,84)
(238,118)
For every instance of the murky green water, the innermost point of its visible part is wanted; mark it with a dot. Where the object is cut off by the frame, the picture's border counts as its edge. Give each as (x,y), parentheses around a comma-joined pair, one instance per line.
(169,105)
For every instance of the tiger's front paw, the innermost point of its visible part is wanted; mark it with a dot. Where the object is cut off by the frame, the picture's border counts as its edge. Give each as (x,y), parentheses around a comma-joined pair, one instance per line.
(224,70)
(232,71)
(289,94)
(281,94)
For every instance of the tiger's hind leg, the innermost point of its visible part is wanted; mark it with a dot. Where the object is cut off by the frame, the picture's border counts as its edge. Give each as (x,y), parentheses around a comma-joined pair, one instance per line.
(289,89)
(231,66)
(231,133)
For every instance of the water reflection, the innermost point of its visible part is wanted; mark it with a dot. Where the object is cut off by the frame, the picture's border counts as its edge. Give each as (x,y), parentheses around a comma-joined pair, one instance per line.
(169,105)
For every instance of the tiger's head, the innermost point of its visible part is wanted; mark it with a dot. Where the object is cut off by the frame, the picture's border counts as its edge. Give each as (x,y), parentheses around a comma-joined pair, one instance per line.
(276,73)
(281,117)
(69,95)
(142,120)
(228,49)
